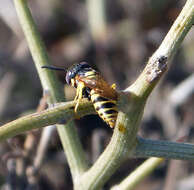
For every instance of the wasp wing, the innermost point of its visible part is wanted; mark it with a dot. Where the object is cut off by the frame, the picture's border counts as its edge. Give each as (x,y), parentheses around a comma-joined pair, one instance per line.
(100,86)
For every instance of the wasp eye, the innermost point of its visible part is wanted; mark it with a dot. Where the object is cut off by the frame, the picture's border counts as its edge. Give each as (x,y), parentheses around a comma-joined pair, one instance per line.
(76,69)
(68,77)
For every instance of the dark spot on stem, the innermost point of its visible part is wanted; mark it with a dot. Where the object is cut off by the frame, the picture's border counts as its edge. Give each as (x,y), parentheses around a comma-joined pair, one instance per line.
(156,68)
(62,121)
(72,107)
(121,128)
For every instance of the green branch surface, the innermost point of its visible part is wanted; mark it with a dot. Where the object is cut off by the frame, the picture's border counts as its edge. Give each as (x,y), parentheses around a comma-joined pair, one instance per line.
(122,143)
(165,149)
(61,113)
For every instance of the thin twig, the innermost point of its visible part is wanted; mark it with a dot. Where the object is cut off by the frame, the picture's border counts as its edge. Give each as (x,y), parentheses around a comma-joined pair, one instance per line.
(166,149)
(131,181)
(181,92)
(96,19)
(67,133)
(60,113)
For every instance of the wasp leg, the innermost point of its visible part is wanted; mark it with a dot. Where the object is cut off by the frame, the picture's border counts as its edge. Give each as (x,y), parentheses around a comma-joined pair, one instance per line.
(79,94)
(113,86)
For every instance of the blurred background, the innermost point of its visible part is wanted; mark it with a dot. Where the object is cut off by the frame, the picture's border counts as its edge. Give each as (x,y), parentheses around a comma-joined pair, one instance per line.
(116,38)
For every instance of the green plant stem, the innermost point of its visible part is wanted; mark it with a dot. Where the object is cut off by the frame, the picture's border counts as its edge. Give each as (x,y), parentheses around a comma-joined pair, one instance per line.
(177,32)
(122,143)
(149,148)
(144,85)
(139,174)
(96,19)
(37,48)
(64,113)
(61,113)
(166,149)
(154,69)
(72,146)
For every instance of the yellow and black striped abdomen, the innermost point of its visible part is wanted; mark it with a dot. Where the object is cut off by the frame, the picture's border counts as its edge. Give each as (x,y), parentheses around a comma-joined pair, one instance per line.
(106,108)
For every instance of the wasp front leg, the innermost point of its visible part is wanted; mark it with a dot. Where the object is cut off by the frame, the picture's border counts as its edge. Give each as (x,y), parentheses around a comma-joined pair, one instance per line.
(79,94)
(113,86)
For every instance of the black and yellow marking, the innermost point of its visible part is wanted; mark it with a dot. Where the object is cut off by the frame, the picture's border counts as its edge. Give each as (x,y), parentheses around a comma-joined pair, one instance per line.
(106,108)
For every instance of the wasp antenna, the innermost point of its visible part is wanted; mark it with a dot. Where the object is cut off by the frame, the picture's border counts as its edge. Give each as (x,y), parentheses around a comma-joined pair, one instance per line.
(53,68)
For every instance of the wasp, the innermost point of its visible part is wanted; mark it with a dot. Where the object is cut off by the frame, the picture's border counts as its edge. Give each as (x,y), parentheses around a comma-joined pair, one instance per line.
(90,84)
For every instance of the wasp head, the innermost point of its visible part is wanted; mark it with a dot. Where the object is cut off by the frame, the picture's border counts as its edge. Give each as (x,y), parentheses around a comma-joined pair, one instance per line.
(76,69)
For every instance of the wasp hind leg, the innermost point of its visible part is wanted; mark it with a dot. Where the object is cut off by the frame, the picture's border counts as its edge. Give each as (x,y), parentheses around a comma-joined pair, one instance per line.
(79,94)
